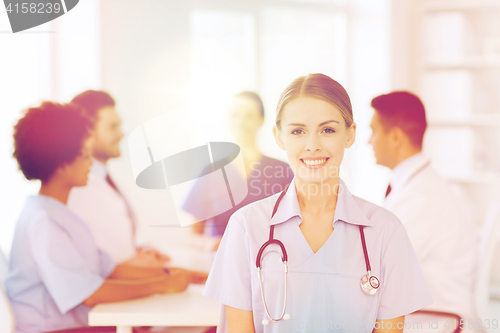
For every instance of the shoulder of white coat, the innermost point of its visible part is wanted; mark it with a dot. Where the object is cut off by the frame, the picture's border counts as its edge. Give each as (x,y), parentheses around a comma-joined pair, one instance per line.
(432,191)
(430,183)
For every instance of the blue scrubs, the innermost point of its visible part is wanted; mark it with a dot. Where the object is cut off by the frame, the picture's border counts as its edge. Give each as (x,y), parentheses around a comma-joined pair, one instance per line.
(323,287)
(55,265)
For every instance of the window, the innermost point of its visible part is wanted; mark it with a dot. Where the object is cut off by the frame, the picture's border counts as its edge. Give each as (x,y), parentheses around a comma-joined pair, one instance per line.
(262,47)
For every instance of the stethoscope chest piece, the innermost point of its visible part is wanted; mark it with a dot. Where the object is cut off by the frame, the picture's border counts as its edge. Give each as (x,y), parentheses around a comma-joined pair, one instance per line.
(369,284)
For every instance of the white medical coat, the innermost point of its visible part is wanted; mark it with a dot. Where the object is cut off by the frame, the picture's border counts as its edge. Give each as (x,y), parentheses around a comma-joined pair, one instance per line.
(105,212)
(444,241)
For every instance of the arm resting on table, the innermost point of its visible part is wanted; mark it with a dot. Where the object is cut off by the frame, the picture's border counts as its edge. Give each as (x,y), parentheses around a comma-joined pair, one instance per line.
(129,271)
(113,290)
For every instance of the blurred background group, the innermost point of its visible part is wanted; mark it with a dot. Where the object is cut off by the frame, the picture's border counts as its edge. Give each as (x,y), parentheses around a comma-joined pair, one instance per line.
(158,56)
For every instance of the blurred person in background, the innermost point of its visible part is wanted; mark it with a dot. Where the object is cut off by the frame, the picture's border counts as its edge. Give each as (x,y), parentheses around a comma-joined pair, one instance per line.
(102,204)
(443,239)
(265,175)
(57,272)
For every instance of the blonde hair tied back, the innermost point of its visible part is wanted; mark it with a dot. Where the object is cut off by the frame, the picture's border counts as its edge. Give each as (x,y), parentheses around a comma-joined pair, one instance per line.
(318,86)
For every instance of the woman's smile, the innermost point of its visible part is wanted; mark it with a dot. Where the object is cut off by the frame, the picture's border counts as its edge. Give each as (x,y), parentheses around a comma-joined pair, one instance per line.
(314,162)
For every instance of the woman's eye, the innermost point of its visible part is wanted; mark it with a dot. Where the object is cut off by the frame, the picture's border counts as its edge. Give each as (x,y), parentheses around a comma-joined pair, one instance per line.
(297,131)
(329,130)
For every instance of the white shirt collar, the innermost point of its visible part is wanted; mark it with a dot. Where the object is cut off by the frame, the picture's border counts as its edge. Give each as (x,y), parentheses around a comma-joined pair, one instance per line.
(347,209)
(98,168)
(405,170)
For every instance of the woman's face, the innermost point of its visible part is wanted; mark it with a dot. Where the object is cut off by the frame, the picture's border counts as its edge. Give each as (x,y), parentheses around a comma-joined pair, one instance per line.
(245,119)
(314,135)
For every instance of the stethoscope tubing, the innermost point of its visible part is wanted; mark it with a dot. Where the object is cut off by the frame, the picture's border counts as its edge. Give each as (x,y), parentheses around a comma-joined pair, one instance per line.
(370,287)
(263,297)
(284,256)
(284,259)
(365,251)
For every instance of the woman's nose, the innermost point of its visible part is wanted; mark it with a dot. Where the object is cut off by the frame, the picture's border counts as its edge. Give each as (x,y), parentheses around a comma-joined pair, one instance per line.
(313,143)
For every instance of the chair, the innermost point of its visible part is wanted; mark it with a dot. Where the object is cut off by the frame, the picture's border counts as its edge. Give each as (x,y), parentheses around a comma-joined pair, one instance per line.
(7,321)
(489,239)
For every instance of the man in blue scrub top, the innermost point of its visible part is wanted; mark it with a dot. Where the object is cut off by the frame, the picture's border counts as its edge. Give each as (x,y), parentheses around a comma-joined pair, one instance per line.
(56,271)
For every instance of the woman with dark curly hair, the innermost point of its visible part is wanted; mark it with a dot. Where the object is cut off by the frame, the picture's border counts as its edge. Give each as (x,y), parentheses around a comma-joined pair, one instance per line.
(56,271)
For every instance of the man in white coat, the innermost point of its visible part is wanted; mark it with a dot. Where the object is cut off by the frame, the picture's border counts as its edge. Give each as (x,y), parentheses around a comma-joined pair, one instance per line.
(103,204)
(442,237)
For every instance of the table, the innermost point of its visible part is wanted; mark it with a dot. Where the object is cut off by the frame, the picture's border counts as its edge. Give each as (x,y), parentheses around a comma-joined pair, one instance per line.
(188,308)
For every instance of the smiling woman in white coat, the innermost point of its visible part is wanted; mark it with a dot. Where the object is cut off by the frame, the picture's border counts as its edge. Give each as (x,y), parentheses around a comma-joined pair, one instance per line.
(334,261)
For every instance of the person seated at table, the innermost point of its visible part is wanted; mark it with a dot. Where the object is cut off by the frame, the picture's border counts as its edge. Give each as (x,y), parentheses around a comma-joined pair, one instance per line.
(443,239)
(265,175)
(103,203)
(57,273)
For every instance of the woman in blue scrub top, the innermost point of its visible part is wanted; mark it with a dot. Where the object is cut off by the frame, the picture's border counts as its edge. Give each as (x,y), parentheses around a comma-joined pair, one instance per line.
(319,223)
(265,175)
(56,272)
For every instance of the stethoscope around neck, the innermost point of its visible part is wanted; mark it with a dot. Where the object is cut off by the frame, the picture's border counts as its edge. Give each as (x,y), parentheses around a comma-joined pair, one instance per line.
(369,283)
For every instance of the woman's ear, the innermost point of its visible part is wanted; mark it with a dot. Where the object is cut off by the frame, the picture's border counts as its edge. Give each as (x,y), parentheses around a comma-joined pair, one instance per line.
(351,135)
(277,136)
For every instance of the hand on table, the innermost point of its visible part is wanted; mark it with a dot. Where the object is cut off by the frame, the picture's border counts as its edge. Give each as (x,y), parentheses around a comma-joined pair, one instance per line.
(176,281)
(179,279)
(198,277)
(199,227)
(149,257)
(154,254)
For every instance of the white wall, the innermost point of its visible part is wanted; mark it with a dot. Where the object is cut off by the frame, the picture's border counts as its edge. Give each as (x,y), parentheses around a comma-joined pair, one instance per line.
(53,61)
(369,75)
